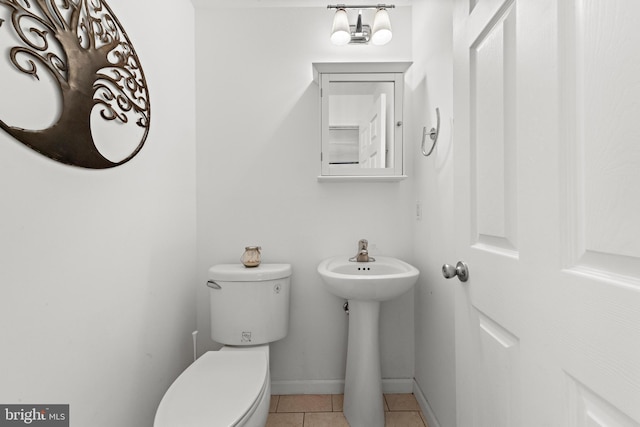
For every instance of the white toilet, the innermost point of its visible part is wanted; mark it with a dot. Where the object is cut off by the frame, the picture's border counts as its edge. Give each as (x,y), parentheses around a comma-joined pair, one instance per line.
(232,387)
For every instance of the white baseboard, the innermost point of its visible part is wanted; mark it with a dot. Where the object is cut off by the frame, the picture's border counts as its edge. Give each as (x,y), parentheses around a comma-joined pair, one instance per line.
(397,385)
(308,387)
(432,421)
(389,385)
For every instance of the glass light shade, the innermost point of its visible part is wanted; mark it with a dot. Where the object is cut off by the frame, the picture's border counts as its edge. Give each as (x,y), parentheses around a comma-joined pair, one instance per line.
(340,32)
(381,28)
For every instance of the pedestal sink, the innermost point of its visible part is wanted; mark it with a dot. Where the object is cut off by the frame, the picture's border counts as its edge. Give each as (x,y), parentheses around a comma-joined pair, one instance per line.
(365,285)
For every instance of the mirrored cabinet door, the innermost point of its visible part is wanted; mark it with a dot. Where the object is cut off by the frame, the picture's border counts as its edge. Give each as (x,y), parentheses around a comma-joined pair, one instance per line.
(361,124)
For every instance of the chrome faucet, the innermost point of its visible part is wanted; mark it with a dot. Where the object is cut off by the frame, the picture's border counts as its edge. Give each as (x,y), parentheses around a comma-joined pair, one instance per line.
(363,253)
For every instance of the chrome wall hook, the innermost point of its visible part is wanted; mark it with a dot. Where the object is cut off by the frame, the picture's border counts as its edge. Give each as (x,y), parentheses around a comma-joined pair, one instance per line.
(433,134)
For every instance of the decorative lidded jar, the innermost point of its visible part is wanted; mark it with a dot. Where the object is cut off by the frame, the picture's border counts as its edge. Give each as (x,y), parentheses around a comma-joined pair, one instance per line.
(251,256)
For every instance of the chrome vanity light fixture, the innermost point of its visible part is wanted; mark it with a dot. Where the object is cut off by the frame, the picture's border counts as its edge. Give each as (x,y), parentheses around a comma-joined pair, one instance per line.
(342,33)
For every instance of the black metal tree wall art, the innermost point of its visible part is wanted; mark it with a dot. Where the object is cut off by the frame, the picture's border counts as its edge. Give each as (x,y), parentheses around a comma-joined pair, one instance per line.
(89,57)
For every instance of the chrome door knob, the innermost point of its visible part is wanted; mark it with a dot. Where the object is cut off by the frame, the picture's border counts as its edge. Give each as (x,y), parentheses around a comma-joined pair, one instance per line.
(461,270)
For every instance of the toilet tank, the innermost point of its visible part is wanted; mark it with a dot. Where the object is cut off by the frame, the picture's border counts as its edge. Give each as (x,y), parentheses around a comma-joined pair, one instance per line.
(249,306)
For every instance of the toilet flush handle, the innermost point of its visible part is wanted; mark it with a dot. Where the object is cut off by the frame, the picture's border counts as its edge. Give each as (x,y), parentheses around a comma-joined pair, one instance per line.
(213,285)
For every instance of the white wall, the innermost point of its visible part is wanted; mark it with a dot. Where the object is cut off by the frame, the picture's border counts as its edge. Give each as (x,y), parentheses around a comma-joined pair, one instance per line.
(258,159)
(97,267)
(430,79)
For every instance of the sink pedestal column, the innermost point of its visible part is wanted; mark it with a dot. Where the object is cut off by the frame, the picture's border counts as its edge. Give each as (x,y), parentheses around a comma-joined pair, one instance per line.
(363,400)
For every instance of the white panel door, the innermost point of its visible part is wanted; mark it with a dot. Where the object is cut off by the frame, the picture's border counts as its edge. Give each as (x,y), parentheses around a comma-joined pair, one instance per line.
(547,181)
(372,135)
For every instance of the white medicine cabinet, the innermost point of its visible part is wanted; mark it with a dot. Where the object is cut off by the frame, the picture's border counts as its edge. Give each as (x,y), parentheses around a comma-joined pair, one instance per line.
(361,120)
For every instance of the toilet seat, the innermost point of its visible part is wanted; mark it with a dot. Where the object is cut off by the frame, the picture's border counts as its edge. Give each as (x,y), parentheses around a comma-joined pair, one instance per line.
(220,389)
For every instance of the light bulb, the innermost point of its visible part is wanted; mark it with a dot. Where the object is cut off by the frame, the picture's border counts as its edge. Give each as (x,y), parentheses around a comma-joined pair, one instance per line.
(381,28)
(340,32)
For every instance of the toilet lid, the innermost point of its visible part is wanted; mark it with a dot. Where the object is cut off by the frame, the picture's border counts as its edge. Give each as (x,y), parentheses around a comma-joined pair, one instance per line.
(217,390)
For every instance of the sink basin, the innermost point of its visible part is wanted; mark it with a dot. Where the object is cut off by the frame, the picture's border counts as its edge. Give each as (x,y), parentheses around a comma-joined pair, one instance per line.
(384,279)
(365,285)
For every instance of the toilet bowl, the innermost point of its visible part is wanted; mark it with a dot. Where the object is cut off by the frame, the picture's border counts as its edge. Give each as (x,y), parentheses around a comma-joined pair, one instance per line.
(232,387)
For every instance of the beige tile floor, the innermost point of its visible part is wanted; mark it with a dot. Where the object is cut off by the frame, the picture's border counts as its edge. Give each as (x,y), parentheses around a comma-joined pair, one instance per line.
(325,410)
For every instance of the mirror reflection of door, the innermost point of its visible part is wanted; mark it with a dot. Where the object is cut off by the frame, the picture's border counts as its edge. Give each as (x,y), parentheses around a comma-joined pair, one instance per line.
(372,135)
(361,124)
